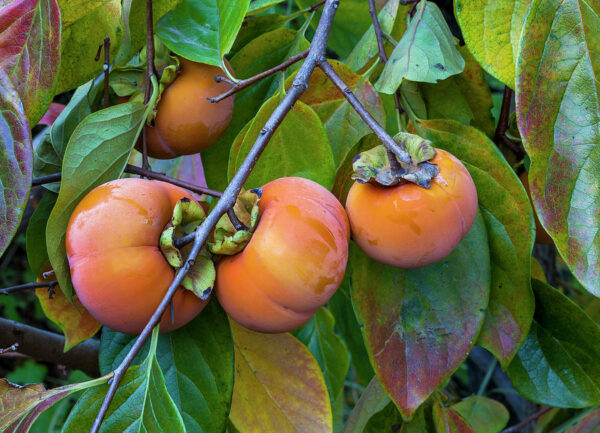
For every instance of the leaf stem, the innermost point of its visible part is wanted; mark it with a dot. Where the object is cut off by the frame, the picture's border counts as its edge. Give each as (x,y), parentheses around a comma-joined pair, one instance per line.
(317,52)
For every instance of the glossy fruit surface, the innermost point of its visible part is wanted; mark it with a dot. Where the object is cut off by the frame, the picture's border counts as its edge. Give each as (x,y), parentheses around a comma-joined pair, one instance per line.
(541,235)
(186,122)
(294,262)
(117,268)
(407,226)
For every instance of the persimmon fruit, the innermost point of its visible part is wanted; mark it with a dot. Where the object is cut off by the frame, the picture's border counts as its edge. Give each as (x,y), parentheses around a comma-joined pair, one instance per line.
(408,226)
(294,262)
(118,271)
(541,235)
(186,122)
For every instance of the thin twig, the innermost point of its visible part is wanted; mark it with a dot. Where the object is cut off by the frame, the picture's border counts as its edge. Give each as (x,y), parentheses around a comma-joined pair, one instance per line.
(9,349)
(248,81)
(503,124)
(522,424)
(317,51)
(106,70)
(132,169)
(27,286)
(150,72)
(381,133)
(42,180)
(316,6)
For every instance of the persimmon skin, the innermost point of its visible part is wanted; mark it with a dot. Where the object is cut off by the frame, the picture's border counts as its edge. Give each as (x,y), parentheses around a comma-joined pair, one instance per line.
(117,268)
(407,226)
(186,122)
(294,262)
(541,235)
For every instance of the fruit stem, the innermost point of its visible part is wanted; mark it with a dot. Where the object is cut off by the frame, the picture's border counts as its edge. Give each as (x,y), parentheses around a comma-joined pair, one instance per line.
(236,221)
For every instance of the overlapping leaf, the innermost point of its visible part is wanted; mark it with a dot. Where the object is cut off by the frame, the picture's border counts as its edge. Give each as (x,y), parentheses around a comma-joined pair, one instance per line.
(97,153)
(197,361)
(262,53)
(254,27)
(510,227)
(35,237)
(559,363)
(85,24)
(426,53)
(447,420)
(419,325)
(141,403)
(15,161)
(202,30)
(30,51)
(558,111)
(483,414)
(269,392)
(588,424)
(492,30)
(258,6)
(298,147)
(373,401)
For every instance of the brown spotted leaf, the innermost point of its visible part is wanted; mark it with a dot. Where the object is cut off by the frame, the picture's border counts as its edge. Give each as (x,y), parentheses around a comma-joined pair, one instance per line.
(30,51)
(278,385)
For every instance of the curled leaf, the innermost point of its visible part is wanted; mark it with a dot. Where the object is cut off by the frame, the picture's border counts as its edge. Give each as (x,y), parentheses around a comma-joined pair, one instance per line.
(200,279)
(419,148)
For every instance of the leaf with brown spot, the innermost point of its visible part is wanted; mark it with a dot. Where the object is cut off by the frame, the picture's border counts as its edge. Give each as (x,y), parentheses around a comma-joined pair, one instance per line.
(278,385)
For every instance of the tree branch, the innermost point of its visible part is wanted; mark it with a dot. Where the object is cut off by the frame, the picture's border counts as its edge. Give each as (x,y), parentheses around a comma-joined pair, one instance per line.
(522,424)
(9,290)
(317,52)
(42,180)
(242,84)
(48,347)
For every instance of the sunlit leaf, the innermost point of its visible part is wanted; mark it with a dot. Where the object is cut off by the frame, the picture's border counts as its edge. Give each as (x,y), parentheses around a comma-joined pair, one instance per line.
(15,161)
(510,227)
(30,51)
(558,111)
(483,414)
(420,324)
(97,153)
(254,27)
(492,29)
(557,365)
(258,6)
(269,392)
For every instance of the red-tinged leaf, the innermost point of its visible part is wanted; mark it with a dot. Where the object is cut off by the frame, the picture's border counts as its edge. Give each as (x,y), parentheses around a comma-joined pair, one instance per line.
(558,111)
(24,424)
(51,114)
(278,385)
(447,420)
(589,424)
(419,325)
(30,51)
(72,318)
(16,161)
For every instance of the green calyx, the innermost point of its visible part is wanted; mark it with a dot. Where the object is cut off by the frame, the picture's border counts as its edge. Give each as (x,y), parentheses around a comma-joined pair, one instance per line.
(374,165)
(187,216)
(227,239)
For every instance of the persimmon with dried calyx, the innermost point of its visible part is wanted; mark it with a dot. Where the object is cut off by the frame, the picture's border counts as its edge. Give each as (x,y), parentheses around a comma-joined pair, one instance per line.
(186,122)
(118,271)
(294,262)
(408,226)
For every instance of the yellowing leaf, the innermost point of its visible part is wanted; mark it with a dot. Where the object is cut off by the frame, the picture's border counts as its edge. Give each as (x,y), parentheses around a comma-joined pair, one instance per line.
(278,385)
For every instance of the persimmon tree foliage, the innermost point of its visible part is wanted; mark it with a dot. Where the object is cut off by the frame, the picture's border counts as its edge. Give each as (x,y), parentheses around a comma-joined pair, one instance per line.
(432,258)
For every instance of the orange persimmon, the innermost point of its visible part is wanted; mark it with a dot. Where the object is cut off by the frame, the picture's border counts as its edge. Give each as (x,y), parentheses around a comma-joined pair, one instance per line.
(408,226)
(294,262)
(118,271)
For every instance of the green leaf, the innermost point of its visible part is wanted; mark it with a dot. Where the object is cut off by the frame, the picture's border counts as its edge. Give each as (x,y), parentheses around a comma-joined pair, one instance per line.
(258,6)
(37,253)
(447,420)
(15,161)
(330,352)
(97,153)
(264,52)
(558,110)
(373,400)
(559,363)
(367,48)
(85,24)
(419,325)
(197,362)
(588,424)
(141,403)
(492,29)
(483,414)
(134,25)
(387,420)
(254,27)
(507,214)
(426,53)
(352,19)
(32,56)
(284,156)
(202,30)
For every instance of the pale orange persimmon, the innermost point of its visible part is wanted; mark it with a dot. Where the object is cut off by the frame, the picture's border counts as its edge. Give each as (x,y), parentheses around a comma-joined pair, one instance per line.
(118,271)
(186,122)
(408,226)
(541,235)
(294,262)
